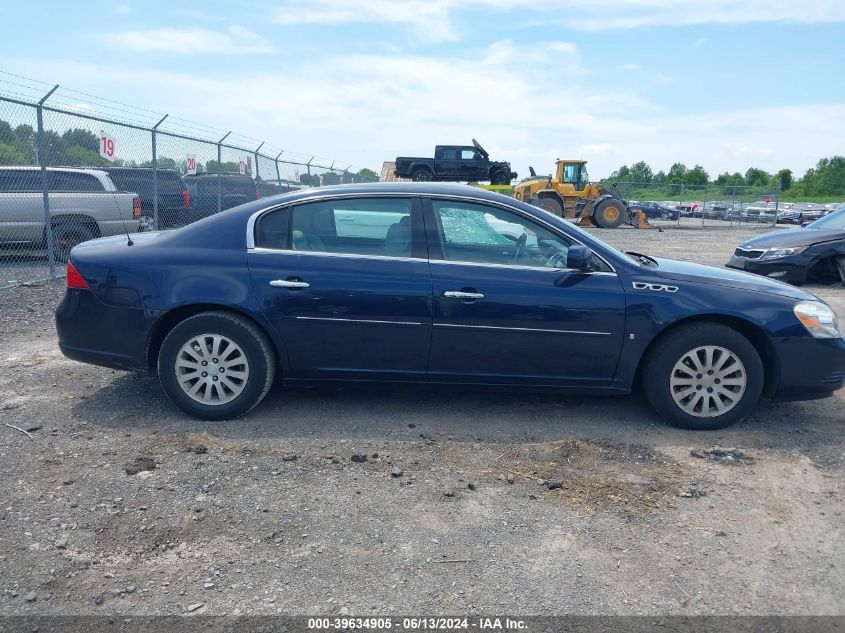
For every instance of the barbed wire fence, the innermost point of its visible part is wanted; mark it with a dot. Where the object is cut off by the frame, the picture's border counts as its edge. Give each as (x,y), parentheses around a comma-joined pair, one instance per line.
(179,170)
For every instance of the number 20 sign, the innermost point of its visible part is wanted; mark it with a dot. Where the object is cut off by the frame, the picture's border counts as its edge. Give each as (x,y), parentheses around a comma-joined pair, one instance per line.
(106,146)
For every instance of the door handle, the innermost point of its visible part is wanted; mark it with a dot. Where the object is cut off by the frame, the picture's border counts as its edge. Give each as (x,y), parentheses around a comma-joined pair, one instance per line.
(289,283)
(458,294)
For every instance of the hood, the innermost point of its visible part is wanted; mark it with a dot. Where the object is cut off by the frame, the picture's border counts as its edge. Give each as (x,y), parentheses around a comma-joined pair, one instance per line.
(790,238)
(714,276)
(115,240)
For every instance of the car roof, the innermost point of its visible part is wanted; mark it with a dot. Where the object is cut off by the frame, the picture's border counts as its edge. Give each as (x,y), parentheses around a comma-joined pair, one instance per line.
(77,170)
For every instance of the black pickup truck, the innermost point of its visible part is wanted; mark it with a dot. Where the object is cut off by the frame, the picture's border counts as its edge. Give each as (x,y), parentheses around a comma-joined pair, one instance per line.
(455,163)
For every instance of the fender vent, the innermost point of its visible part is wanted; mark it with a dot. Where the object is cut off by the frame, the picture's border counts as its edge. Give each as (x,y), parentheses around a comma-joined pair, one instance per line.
(639,285)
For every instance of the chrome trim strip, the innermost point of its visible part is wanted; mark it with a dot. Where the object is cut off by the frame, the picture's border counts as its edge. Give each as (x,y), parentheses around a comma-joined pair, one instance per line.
(305,318)
(522,329)
(250,225)
(260,250)
(519,267)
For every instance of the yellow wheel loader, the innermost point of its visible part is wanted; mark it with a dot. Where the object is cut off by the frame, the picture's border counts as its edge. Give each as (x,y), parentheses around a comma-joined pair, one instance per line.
(570,194)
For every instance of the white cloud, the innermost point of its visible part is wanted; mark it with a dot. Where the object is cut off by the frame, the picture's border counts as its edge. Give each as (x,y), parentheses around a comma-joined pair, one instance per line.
(434,19)
(236,40)
(364,109)
(631,67)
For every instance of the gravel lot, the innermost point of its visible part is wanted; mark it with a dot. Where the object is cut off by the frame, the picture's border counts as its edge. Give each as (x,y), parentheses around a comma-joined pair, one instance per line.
(466,502)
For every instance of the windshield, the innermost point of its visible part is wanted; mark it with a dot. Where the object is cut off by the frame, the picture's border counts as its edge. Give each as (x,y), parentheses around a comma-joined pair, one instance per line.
(832,222)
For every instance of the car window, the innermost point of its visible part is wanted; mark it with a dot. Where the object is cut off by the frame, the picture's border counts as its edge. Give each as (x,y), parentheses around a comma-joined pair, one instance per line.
(20,180)
(490,235)
(356,227)
(73,181)
(832,222)
(468,154)
(272,229)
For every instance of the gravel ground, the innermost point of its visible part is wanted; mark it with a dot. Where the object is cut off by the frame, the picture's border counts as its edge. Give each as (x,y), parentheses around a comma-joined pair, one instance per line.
(398,501)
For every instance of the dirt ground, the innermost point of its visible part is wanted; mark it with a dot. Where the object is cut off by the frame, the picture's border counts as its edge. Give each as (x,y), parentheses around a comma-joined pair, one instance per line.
(455,502)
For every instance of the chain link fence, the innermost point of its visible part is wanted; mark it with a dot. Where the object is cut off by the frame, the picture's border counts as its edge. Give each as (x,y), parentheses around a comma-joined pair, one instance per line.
(75,167)
(705,205)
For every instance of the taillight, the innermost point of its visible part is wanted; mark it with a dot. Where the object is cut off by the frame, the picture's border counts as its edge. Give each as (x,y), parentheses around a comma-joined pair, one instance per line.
(186,198)
(74,279)
(136,208)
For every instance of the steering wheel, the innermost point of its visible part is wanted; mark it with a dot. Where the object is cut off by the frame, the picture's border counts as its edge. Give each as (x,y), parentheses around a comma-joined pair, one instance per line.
(557,259)
(520,244)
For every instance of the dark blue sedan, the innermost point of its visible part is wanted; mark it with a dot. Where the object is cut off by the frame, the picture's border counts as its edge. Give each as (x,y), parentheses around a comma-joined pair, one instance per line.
(442,284)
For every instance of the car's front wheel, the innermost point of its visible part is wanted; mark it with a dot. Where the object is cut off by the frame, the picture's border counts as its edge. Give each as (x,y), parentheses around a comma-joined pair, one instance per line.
(703,376)
(216,365)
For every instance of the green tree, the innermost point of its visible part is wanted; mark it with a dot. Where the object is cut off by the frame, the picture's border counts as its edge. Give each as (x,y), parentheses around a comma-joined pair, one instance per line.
(697,176)
(367,175)
(641,172)
(677,174)
(10,155)
(79,156)
(757,177)
(783,179)
(81,138)
(659,178)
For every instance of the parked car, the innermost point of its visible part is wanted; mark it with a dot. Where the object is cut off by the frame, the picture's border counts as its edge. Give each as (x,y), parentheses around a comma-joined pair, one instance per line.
(413,283)
(656,210)
(84,204)
(174,200)
(813,253)
(234,190)
(267,189)
(455,163)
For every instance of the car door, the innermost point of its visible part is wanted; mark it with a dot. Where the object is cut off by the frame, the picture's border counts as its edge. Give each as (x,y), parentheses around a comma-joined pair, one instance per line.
(448,162)
(346,284)
(473,165)
(507,310)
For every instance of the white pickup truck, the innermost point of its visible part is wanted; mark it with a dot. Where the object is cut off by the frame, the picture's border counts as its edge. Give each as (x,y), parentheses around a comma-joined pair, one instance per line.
(84,205)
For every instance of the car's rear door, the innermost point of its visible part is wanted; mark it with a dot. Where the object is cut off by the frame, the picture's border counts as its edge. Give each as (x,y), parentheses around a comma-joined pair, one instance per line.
(506,308)
(346,284)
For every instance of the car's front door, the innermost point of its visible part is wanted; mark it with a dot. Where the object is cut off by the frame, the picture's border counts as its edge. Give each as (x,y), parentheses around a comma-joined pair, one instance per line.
(507,310)
(346,284)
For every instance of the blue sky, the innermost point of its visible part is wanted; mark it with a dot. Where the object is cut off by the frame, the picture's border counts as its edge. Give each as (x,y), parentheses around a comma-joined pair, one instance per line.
(727,84)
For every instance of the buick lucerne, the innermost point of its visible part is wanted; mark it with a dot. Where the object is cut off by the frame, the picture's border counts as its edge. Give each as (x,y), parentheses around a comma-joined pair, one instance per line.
(443,284)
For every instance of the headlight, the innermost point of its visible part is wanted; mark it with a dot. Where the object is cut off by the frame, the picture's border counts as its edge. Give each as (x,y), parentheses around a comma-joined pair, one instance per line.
(818,318)
(776,253)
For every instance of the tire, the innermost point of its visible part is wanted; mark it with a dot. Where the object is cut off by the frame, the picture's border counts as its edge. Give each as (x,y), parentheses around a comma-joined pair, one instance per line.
(609,213)
(66,235)
(551,205)
(665,384)
(500,178)
(664,216)
(421,175)
(238,394)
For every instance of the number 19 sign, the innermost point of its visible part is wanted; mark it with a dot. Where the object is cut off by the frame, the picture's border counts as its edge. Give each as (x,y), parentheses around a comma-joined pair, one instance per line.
(106,146)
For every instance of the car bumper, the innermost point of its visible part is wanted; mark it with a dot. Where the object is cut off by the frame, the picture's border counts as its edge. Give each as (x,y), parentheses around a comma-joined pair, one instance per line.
(789,269)
(810,368)
(95,333)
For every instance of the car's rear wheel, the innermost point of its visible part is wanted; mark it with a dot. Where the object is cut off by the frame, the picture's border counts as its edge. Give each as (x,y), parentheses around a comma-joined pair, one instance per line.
(66,235)
(703,376)
(421,175)
(551,205)
(501,178)
(216,365)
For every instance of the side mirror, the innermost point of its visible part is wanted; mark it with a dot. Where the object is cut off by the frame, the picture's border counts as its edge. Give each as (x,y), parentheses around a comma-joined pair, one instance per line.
(580,257)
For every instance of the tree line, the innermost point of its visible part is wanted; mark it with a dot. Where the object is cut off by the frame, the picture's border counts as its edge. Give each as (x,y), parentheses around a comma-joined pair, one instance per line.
(81,148)
(825,179)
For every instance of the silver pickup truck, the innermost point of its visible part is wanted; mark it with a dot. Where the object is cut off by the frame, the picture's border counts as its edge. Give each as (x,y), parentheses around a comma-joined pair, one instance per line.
(84,204)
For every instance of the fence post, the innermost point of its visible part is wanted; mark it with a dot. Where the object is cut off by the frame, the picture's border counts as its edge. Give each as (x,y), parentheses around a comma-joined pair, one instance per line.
(155,172)
(45,185)
(255,153)
(219,172)
(278,173)
(308,167)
